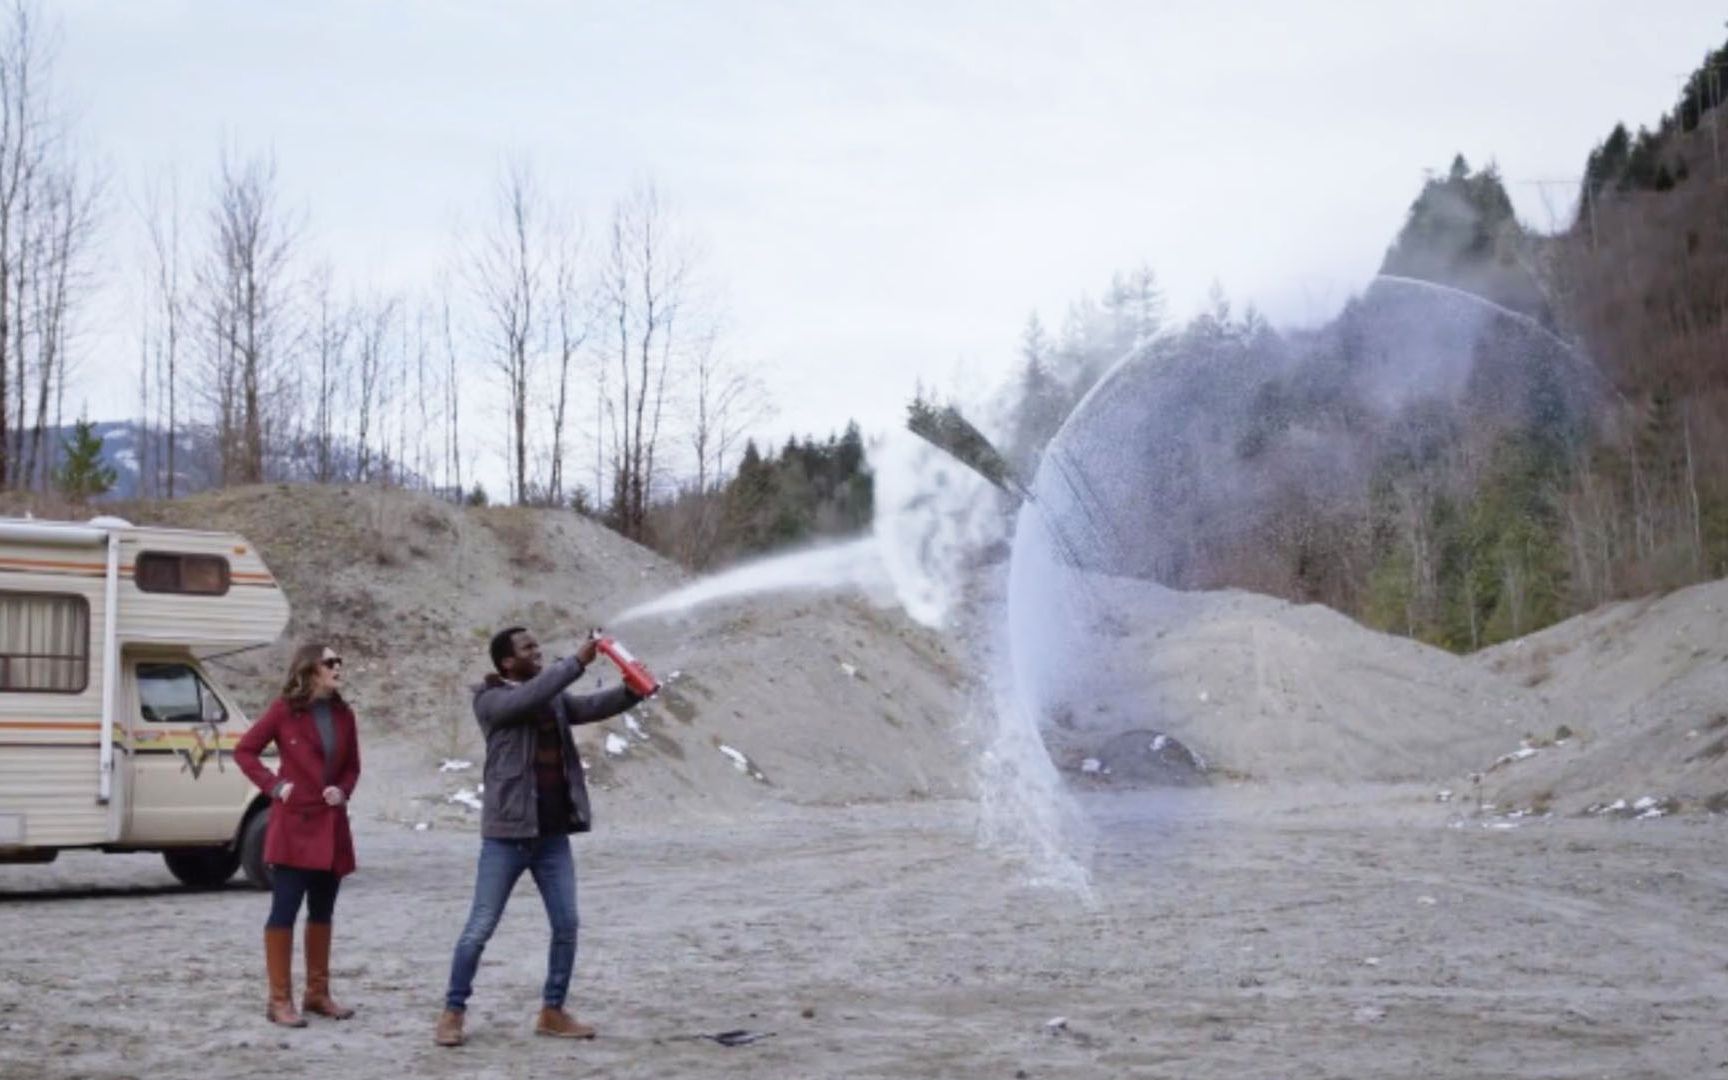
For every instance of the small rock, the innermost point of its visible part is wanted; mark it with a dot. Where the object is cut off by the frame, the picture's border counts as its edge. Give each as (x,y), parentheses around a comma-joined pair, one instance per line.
(808,1012)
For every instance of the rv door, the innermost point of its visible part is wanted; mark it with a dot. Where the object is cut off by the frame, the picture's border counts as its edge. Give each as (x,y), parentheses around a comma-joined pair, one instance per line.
(186,789)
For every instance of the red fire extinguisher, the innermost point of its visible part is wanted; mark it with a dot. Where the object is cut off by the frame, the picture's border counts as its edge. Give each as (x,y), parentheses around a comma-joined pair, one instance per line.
(638,678)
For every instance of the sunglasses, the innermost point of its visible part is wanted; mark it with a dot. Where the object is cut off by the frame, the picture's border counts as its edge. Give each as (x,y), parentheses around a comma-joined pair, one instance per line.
(331,663)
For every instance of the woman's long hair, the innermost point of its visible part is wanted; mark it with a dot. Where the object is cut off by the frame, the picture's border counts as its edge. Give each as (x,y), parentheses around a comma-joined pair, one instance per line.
(297,688)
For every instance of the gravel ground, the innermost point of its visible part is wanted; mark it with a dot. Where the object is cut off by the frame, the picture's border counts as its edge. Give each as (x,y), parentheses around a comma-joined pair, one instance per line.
(1343,932)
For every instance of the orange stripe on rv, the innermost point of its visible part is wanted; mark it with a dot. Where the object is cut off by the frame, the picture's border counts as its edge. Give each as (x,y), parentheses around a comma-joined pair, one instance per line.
(50,725)
(52,564)
(245,577)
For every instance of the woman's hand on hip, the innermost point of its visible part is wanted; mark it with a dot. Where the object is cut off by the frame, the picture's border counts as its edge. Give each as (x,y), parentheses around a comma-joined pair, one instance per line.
(333,795)
(284,789)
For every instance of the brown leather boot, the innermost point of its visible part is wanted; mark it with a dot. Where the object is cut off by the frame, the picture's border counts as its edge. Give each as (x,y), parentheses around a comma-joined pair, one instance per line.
(449,1030)
(561,1025)
(318,1000)
(279,966)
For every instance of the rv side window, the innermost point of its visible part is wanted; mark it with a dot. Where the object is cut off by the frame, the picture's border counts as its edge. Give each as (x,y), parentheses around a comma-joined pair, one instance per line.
(44,643)
(196,575)
(174,694)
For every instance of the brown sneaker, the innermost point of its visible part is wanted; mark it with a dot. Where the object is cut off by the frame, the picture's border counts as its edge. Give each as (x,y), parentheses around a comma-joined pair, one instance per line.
(449,1030)
(561,1025)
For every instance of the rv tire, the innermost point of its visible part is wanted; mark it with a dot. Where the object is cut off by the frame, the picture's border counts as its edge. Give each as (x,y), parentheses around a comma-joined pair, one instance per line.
(202,868)
(252,849)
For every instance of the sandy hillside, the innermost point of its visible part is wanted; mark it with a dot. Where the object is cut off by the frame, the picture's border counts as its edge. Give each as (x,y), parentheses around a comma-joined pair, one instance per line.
(801,698)
(1642,689)
(1267,690)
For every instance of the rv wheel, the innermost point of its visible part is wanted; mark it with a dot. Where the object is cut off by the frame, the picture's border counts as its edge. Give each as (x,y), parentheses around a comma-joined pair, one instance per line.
(202,868)
(252,850)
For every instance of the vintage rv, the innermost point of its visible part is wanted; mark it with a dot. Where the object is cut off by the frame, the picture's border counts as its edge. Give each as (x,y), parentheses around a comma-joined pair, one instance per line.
(113,734)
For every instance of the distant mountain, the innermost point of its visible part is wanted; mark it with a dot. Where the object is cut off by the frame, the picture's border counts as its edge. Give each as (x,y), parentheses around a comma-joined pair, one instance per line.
(139,456)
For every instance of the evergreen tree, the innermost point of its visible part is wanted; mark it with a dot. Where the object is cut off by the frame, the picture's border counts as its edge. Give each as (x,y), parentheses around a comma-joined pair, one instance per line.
(83,476)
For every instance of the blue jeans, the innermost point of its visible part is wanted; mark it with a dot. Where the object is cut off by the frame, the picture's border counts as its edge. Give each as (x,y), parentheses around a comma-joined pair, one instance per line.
(548,858)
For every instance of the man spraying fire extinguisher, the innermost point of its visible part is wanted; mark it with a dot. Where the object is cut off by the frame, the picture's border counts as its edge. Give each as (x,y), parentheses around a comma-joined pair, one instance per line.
(535,796)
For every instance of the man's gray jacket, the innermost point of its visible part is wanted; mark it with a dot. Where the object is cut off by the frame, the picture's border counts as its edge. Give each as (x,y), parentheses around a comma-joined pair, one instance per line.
(509,714)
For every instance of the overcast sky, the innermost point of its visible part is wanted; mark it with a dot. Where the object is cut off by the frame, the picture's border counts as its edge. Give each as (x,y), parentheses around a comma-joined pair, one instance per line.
(884,190)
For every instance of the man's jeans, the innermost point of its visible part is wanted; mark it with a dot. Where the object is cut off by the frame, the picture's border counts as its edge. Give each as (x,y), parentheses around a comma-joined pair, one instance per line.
(501,863)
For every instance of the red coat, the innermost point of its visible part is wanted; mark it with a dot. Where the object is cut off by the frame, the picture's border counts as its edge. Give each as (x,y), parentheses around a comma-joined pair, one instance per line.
(305,831)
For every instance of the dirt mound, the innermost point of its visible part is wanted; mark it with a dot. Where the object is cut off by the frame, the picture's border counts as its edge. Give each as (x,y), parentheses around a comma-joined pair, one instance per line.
(1264,689)
(1638,695)
(806,699)
(1145,759)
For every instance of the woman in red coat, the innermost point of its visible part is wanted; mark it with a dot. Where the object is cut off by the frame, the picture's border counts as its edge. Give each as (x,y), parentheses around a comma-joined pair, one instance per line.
(307,844)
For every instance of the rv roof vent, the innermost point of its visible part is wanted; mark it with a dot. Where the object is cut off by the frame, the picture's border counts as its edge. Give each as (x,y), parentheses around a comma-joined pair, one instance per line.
(108,522)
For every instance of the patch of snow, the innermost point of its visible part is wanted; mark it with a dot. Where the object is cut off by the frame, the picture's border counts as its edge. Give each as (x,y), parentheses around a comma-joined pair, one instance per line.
(635,728)
(739,761)
(467,797)
(1205,697)
(1646,803)
(1159,743)
(1517,755)
(454,765)
(616,744)
(1091,765)
(850,670)
(1443,796)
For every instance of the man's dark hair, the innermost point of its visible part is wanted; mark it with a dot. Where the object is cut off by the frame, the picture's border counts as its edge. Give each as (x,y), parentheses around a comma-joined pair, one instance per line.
(503,646)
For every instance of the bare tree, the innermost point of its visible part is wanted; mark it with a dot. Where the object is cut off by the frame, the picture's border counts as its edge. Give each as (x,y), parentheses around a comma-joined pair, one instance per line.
(330,378)
(574,321)
(47,224)
(65,227)
(730,401)
(452,402)
(371,390)
(507,273)
(23,132)
(644,285)
(246,289)
(166,315)
(421,397)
